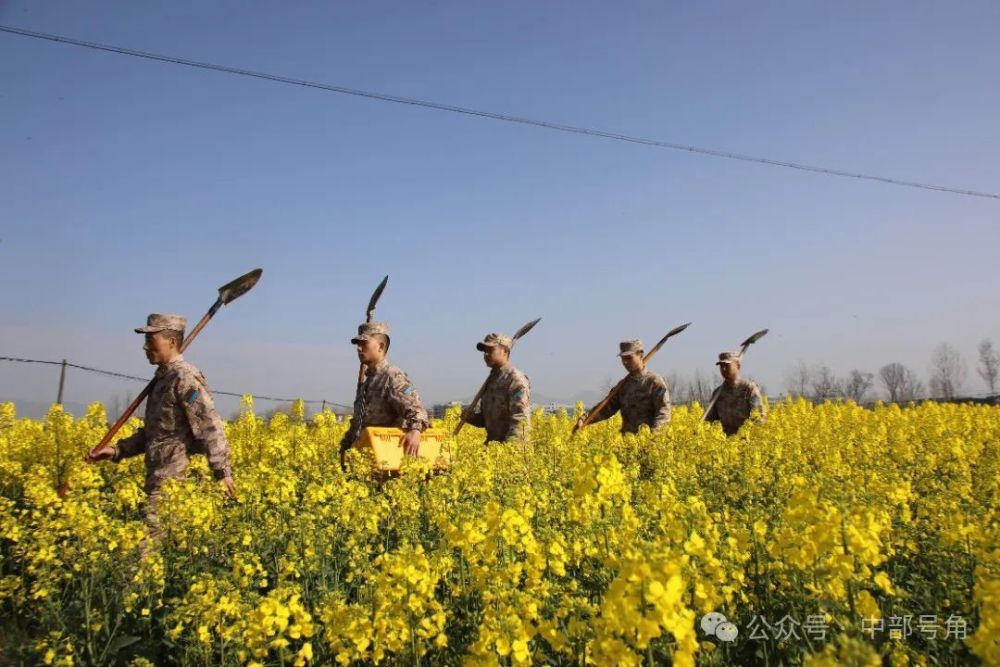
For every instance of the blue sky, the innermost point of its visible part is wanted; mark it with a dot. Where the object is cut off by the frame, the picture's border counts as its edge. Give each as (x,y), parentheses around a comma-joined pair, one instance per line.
(129,186)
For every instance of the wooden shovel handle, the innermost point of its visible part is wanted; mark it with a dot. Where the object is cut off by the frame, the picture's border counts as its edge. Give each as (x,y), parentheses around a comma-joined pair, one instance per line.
(472,407)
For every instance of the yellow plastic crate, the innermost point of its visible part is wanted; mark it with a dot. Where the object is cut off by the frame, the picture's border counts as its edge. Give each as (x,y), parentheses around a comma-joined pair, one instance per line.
(383,444)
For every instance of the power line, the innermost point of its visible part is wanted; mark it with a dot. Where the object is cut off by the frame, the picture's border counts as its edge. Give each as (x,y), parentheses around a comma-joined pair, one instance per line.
(384,97)
(139,379)
(69,365)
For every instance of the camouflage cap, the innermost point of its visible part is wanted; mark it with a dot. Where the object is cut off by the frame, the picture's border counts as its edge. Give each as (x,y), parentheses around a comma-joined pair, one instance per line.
(629,347)
(369,329)
(729,357)
(162,322)
(494,339)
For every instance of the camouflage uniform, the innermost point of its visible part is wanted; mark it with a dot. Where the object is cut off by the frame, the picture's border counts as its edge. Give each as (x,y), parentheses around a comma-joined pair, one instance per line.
(385,398)
(181,420)
(505,408)
(736,402)
(643,399)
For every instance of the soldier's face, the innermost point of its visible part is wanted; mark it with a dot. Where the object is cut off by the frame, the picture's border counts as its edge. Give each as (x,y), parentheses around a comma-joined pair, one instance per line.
(370,351)
(729,371)
(632,362)
(159,349)
(495,356)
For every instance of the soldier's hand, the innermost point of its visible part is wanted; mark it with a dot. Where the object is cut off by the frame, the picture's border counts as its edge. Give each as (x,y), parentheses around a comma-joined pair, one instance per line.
(228,487)
(579,424)
(411,443)
(105,453)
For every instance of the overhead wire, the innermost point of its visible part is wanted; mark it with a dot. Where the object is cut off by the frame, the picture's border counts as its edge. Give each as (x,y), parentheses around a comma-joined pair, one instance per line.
(139,379)
(549,125)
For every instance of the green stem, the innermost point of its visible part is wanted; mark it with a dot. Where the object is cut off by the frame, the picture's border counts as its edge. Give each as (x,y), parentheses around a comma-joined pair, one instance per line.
(111,636)
(847,552)
(88,590)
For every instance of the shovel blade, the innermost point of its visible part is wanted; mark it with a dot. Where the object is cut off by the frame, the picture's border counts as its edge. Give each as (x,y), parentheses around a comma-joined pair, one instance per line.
(677,330)
(753,339)
(526,328)
(376,295)
(237,288)
(670,334)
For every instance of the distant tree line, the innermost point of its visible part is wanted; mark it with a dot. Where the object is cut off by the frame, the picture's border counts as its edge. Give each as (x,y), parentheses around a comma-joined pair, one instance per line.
(896,382)
(893,382)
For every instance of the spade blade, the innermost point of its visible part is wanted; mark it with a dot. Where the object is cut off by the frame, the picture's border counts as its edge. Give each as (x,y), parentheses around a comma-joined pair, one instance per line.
(753,339)
(376,295)
(237,288)
(526,328)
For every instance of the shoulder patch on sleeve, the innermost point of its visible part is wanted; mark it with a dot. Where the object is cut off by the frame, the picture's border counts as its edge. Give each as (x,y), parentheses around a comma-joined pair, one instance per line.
(517,394)
(191,396)
(407,389)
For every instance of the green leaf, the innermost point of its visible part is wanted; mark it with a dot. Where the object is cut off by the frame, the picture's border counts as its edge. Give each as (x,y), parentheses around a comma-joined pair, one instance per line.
(122,642)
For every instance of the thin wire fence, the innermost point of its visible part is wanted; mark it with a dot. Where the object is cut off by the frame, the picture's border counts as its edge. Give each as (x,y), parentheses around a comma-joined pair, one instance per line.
(436,411)
(100,371)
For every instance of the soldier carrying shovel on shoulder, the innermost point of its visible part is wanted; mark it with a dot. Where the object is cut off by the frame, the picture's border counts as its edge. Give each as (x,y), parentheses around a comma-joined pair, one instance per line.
(181,418)
(644,397)
(736,399)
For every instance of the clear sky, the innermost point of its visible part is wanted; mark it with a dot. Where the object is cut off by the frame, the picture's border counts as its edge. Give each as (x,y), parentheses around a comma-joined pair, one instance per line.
(129,186)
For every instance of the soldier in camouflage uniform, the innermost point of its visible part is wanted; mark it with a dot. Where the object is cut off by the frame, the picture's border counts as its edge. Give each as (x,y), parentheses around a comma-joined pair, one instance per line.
(181,418)
(505,408)
(736,398)
(385,397)
(643,399)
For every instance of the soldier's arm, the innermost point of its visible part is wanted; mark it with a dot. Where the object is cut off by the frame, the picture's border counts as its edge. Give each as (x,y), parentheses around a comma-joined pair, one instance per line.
(519,404)
(757,404)
(352,431)
(345,443)
(713,413)
(608,410)
(661,403)
(476,419)
(133,445)
(405,401)
(345,440)
(206,425)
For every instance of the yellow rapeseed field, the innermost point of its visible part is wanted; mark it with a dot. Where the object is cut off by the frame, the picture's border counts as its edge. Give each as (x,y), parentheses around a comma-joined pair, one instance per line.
(830,535)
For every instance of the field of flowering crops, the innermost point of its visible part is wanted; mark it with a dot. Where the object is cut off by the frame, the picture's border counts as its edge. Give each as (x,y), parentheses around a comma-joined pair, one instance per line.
(829,535)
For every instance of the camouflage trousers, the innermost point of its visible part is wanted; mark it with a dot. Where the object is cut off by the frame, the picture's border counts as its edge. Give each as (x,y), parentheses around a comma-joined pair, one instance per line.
(154,528)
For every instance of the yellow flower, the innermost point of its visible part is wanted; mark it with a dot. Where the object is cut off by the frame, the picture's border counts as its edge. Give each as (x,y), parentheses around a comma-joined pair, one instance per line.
(594,548)
(867,606)
(882,581)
